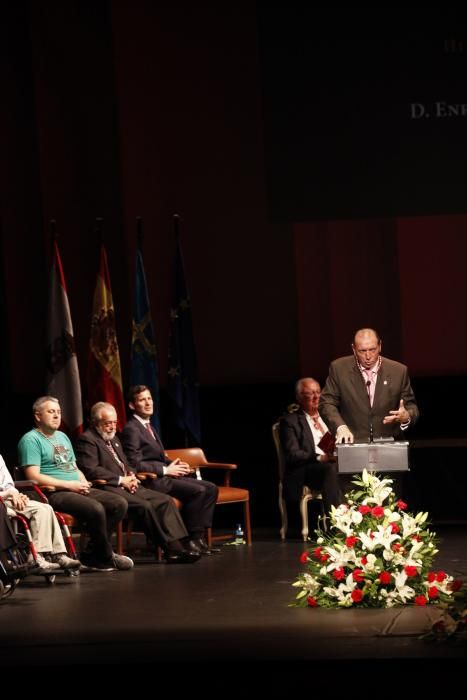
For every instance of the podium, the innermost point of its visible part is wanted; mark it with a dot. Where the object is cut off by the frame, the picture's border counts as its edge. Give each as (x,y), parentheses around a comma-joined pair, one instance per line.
(379,456)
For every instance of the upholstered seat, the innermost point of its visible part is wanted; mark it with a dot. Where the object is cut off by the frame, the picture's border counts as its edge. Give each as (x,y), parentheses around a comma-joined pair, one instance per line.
(195,457)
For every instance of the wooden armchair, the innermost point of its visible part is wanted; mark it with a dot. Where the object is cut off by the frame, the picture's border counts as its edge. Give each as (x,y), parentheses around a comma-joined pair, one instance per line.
(195,457)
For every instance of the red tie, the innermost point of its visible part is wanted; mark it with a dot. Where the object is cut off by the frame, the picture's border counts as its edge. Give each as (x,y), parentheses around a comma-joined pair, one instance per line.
(150,430)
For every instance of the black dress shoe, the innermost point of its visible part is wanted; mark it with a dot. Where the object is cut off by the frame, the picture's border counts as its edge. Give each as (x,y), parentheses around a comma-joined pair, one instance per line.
(203,547)
(192,546)
(181,557)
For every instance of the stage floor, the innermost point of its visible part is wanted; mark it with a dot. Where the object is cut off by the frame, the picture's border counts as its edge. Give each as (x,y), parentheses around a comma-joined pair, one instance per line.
(228,608)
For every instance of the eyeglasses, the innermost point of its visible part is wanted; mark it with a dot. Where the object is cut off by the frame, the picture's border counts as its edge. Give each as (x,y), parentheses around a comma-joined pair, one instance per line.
(108,423)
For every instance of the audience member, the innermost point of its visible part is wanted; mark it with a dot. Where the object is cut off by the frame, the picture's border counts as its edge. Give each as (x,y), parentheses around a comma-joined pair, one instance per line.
(145,452)
(47,455)
(306,463)
(100,456)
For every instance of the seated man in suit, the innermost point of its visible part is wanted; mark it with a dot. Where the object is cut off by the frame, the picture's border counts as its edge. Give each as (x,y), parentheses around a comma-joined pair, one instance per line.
(306,464)
(145,453)
(100,456)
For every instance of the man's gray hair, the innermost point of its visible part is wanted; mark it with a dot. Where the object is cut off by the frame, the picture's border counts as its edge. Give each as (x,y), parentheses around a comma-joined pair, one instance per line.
(38,403)
(97,409)
(298,385)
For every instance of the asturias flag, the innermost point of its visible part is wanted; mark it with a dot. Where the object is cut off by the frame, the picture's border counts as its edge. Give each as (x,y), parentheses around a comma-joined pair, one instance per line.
(104,373)
(144,367)
(62,380)
(183,382)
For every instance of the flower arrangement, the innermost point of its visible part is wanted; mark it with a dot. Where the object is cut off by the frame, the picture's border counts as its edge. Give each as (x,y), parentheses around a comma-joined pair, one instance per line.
(375,555)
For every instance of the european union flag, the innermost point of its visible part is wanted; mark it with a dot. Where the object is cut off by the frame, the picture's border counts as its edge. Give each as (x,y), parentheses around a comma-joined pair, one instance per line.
(144,367)
(183,385)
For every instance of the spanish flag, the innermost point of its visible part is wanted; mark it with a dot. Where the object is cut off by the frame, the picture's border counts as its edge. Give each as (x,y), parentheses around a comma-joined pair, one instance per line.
(104,372)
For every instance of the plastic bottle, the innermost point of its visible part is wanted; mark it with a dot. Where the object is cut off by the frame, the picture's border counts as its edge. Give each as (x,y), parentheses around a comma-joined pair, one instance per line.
(239,536)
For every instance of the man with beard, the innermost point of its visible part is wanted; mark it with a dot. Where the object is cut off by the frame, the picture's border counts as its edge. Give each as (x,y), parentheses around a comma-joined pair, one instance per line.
(100,456)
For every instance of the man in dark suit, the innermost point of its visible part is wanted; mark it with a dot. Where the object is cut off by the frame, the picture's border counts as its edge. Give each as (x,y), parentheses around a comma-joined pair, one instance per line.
(100,456)
(366,395)
(145,452)
(307,464)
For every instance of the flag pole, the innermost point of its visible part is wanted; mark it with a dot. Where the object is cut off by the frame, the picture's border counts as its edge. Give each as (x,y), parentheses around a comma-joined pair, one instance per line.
(139,232)
(99,229)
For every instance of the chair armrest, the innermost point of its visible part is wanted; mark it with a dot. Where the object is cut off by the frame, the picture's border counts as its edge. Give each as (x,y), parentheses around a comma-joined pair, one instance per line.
(25,483)
(142,476)
(99,482)
(223,466)
(218,465)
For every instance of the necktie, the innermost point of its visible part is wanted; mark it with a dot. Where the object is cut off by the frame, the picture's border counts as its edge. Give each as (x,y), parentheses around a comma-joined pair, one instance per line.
(112,451)
(151,431)
(317,425)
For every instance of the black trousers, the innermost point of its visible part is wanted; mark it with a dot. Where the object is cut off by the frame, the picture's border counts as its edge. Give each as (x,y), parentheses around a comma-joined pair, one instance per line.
(162,523)
(197,496)
(99,512)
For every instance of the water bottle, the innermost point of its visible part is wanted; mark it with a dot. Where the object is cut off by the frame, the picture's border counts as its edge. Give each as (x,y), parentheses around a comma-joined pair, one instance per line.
(239,538)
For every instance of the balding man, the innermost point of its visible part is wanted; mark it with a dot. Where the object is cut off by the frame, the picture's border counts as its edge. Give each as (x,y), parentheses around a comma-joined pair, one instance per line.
(367,396)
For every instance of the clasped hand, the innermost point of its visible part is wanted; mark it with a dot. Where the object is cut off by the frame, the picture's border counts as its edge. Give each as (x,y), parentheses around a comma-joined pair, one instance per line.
(178,468)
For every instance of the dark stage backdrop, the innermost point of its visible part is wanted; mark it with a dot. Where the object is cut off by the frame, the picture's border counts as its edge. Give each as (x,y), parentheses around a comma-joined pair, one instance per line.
(315,196)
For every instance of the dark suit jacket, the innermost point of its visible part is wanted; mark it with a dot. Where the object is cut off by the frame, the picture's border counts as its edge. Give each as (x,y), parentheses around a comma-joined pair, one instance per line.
(144,453)
(96,461)
(299,451)
(344,399)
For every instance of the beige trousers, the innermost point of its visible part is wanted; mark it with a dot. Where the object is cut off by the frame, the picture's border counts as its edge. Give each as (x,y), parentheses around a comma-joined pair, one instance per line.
(45,529)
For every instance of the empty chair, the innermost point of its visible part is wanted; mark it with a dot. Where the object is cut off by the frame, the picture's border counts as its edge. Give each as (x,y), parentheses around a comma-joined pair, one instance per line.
(195,457)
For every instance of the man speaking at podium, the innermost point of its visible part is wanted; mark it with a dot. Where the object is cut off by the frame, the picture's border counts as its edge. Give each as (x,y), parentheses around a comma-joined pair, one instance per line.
(367,396)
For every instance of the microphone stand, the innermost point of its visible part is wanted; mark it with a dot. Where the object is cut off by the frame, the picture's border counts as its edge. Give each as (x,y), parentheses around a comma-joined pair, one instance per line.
(370,418)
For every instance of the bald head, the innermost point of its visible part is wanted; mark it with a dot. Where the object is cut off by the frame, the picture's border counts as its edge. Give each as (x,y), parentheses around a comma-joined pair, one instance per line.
(367,347)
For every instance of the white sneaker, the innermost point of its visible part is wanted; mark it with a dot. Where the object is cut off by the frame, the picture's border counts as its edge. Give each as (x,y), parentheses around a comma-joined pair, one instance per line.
(121,562)
(45,565)
(65,562)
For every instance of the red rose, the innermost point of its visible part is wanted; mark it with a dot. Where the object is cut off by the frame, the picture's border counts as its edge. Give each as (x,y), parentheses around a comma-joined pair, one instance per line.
(338,574)
(311,602)
(357,575)
(318,552)
(431,576)
(401,505)
(433,592)
(377,512)
(364,509)
(364,560)
(385,577)
(411,571)
(304,557)
(420,600)
(395,528)
(356,595)
(440,576)
(350,541)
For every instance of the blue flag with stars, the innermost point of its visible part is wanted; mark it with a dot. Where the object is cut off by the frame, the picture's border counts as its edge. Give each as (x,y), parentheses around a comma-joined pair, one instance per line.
(144,366)
(183,385)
